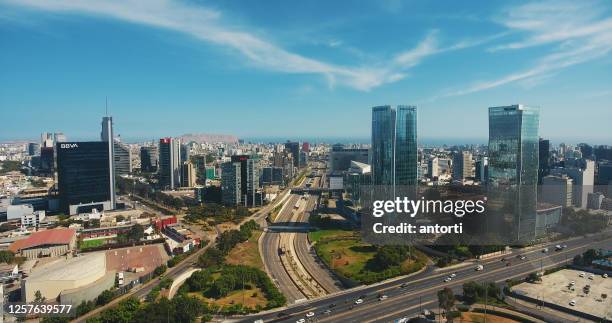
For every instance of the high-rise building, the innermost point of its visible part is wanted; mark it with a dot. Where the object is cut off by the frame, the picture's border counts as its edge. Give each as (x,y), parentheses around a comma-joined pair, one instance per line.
(340,157)
(306,146)
(169,163)
(582,171)
(294,149)
(513,170)
(85,176)
(595,200)
(271,175)
(149,156)
(544,164)
(463,166)
(433,169)
(249,178)
(33,149)
(557,190)
(231,183)
(394,145)
(123,158)
(482,169)
(188,175)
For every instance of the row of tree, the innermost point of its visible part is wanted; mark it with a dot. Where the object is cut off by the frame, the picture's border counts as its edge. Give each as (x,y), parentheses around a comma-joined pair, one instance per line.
(217,212)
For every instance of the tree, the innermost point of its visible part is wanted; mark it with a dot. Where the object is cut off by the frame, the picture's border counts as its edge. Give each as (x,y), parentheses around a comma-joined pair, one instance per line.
(38,298)
(211,258)
(160,270)
(446,299)
(105,297)
(6,256)
(534,277)
(136,233)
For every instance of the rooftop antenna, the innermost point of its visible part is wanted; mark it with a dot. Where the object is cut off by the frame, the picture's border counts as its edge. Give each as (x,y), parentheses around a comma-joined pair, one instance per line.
(107,106)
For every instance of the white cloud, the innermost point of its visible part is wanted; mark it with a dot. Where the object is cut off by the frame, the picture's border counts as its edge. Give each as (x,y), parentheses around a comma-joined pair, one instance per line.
(577,30)
(206,25)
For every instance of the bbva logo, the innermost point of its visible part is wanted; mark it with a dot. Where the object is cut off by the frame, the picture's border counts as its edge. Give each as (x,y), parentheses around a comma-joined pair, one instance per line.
(64,146)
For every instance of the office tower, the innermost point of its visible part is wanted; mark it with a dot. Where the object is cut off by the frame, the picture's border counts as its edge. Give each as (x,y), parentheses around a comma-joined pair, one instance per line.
(582,171)
(185,153)
(249,178)
(188,175)
(481,169)
(231,183)
(294,149)
(59,137)
(306,146)
(271,175)
(148,159)
(604,173)
(340,157)
(47,159)
(586,150)
(85,180)
(33,149)
(557,190)
(107,136)
(394,145)
(107,129)
(433,168)
(46,139)
(513,170)
(169,163)
(463,166)
(123,158)
(544,164)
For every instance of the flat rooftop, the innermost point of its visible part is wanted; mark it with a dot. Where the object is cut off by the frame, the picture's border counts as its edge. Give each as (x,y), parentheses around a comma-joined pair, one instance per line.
(87,266)
(555,289)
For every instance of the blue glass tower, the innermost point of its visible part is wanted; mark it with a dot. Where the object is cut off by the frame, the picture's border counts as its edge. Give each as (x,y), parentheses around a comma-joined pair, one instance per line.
(394,145)
(513,169)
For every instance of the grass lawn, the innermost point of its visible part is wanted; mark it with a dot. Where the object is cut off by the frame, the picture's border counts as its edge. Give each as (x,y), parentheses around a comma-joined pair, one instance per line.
(246,253)
(315,236)
(88,244)
(245,298)
(347,256)
(480,318)
(345,253)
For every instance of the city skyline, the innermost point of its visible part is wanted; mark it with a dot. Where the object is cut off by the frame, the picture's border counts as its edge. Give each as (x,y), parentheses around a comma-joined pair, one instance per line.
(167,72)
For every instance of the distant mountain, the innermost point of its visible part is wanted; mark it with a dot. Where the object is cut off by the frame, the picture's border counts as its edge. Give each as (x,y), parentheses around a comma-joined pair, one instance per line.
(208,137)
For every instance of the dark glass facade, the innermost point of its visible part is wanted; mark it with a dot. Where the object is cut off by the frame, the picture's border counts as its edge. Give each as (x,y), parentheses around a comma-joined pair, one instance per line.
(294,149)
(513,169)
(83,170)
(394,145)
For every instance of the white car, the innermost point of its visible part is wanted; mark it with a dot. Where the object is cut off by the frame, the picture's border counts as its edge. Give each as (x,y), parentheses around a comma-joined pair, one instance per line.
(310,314)
(581,275)
(479,268)
(447,279)
(382,297)
(358,301)
(401,320)
(453,275)
(572,283)
(591,277)
(604,275)
(300,321)
(572,303)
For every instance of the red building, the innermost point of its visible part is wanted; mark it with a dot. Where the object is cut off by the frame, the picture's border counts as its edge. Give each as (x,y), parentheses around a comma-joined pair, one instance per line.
(164,222)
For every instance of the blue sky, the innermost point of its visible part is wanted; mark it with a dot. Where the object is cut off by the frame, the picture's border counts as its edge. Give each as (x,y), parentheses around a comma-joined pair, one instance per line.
(302,69)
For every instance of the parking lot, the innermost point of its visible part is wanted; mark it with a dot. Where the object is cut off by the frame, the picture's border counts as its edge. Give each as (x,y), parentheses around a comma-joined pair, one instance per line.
(558,288)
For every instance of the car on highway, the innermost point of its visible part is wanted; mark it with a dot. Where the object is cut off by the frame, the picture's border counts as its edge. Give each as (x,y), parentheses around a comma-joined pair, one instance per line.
(479,268)
(382,297)
(327,312)
(358,301)
(332,305)
(591,277)
(447,279)
(453,275)
(401,320)
(545,250)
(572,303)
(404,285)
(300,320)
(572,283)
(581,275)
(604,275)
(558,247)
(522,257)
(310,314)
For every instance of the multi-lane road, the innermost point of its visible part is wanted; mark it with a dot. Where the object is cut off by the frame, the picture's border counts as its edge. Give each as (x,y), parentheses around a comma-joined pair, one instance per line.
(408,296)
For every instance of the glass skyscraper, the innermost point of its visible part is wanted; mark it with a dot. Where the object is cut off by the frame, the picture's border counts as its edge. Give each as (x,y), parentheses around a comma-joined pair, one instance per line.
(394,145)
(513,170)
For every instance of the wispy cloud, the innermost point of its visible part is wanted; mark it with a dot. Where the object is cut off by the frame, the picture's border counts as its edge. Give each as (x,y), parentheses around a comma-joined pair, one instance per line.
(207,25)
(576,30)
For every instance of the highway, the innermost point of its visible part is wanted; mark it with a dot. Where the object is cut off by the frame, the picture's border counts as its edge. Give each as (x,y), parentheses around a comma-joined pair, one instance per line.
(308,278)
(420,290)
